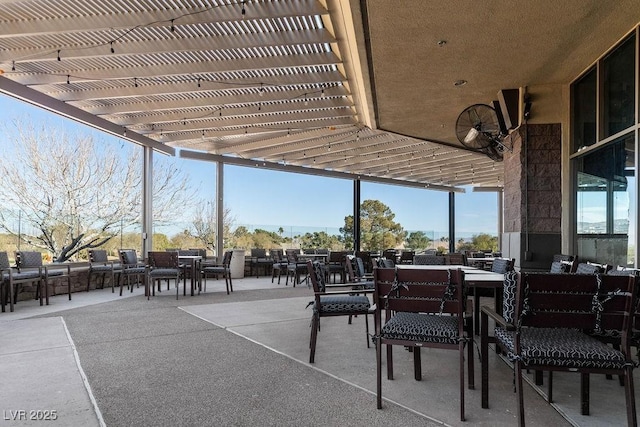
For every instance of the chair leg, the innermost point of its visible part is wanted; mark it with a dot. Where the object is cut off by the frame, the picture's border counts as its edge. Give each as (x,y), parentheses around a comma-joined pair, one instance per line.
(584,393)
(88,281)
(461,357)
(519,391)
(470,365)
(379,373)
(3,301)
(366,323)
(45,283)
(230,281)
(476,312)
(484,363)
(630,397)
(314,337)
(389,362)
(417,364)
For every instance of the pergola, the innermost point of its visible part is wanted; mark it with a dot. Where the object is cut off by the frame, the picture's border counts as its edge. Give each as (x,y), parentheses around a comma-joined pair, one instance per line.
(365,90)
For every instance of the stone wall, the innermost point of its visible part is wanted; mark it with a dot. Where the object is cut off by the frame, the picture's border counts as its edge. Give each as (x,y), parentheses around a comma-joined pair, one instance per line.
(79,275)
(533,196)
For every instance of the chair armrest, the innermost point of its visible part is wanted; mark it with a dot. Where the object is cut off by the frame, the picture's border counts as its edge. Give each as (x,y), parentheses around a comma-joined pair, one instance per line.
(17,269)
(50,267)
(340,285)
(487,311)
(103,263)
(349,292)
(136,265)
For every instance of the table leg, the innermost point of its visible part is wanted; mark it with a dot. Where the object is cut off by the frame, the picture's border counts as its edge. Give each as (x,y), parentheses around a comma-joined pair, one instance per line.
(193,274)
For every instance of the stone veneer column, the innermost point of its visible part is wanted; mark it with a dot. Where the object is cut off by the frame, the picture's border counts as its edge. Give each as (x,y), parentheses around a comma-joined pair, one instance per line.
(533,196)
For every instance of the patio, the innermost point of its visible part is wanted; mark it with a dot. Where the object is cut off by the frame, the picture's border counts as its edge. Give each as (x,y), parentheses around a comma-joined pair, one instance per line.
(215,359)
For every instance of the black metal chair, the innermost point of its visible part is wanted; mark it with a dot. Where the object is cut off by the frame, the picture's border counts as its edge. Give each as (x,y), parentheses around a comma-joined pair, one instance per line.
(132,270)
(502,265)
(336,264)
(456,259)
(423,308)
(368,261)
(99,264)
(333,303)
(279,264)
(547,323)
(260,261)
(13,279)
(295,268)
(51,273)
(356,274)
(223,269)
(424,259)
(391,254)
(163,266)
(386,263)
(560,267)
(406,257)
(588,268)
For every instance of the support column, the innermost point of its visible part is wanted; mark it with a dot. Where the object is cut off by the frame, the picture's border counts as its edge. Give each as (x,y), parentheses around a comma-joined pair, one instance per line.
(452,222)
(500,195)
(147,202)
(356,215)
(533,196)
(219,210)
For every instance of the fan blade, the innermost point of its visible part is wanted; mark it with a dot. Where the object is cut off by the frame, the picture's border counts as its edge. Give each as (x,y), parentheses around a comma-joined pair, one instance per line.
(474,117)
(473,134)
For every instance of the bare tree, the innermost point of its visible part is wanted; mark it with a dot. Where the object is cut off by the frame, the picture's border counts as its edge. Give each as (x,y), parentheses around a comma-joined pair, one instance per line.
(76,193)
(205,225)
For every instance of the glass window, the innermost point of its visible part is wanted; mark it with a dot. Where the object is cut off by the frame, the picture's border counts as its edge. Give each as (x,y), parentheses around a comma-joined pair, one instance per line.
(606,202)
(183,203)
(583,94)
(619,88)
(606,211)
(592,204)
(273,209)
(395,217)
(477,221)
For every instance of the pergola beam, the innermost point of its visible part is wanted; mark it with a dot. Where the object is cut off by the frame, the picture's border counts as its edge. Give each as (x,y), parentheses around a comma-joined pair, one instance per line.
(11,88)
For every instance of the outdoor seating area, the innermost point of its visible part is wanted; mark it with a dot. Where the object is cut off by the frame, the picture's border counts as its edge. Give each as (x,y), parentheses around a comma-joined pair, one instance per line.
(514,324)
(259,317)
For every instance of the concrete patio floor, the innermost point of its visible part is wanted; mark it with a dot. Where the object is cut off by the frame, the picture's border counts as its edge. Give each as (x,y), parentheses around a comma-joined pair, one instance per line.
(241,359)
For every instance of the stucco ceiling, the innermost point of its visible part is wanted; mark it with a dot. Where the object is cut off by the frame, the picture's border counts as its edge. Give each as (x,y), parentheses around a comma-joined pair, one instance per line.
(345,88)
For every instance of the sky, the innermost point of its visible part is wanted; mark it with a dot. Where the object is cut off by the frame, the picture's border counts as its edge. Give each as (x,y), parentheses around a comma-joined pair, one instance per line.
(259,198)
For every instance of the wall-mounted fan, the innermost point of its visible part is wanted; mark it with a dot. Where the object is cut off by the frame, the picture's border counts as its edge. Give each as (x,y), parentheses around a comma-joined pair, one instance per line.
(478,128)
